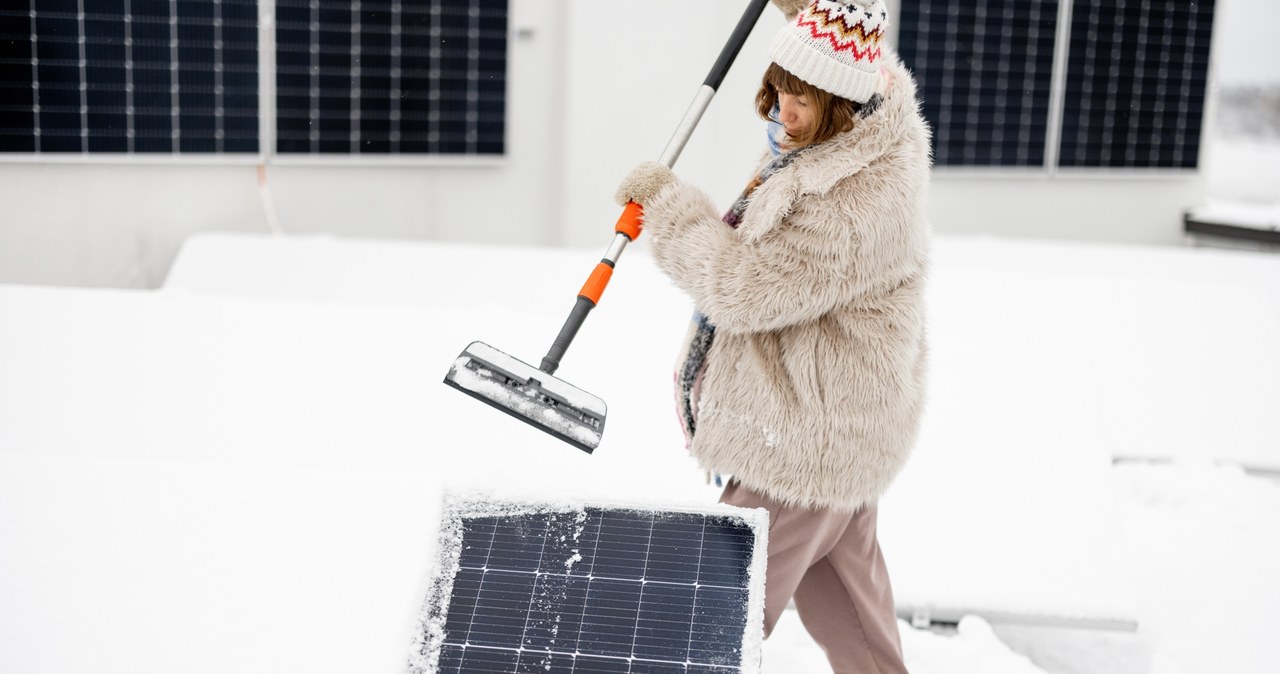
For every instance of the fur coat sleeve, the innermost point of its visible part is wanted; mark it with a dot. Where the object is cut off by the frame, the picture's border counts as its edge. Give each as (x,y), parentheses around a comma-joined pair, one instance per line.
(839,227)
(814,383)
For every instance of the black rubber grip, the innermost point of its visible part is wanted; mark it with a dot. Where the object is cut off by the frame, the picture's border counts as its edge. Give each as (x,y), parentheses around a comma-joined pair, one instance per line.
(734,45)
(551,362)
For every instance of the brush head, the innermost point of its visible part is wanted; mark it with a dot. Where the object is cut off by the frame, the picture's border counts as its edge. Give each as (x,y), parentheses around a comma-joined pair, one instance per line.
(529,394)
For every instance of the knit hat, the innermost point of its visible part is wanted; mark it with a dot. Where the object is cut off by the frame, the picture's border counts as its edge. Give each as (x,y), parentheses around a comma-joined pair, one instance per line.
(835,46)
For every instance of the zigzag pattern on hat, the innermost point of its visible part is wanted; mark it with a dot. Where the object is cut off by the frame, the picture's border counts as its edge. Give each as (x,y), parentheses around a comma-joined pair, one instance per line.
(836,46)
(831,22)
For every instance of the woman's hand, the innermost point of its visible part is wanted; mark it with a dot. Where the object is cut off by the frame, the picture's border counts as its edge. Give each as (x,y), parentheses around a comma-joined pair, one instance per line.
(643,182)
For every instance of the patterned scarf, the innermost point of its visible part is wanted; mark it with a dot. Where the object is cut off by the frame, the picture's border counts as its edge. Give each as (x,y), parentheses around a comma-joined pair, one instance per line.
(693,360)
(692,363)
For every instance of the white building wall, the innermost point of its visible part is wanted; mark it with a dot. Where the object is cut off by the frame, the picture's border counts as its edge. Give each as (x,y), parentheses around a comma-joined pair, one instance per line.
(629,88)
(121,223)
(1117,208)
(594,88)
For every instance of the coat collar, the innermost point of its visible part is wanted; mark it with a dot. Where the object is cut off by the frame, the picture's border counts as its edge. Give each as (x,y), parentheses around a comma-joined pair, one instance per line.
(817,169)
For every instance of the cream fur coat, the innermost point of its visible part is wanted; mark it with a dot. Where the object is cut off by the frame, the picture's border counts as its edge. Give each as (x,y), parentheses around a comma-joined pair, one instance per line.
(815,380)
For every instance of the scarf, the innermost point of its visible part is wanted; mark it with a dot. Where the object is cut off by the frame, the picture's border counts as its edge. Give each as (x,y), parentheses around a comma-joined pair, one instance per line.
(692,363)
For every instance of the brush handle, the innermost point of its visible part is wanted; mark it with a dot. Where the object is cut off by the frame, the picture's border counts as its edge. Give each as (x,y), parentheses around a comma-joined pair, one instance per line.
(738,38)
(629,225)
(627,229)
(713,81)
(551,362)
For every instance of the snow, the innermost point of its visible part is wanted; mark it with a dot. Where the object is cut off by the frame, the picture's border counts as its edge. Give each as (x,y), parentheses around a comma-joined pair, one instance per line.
(1243,168)
(1204,546)
(243,472)
(569,393)
(1240,214)
(973,648)
(480,381)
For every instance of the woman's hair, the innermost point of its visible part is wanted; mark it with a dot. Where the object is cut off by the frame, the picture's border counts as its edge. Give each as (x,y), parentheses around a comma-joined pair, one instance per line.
(832,115)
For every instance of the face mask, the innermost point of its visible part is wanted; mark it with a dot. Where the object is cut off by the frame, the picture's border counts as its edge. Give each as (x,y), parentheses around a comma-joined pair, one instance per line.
(774,131)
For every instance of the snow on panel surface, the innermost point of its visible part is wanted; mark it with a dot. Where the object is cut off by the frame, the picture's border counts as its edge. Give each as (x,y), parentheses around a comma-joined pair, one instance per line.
(540,562)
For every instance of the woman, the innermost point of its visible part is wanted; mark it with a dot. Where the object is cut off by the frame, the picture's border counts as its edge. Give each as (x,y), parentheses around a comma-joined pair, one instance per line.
(803,376)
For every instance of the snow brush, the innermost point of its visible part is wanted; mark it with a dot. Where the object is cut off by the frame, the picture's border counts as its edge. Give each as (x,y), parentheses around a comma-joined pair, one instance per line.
(532,394)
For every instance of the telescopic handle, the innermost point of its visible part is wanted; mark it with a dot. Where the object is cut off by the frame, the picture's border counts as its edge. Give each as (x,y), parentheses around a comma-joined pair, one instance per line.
(714,78)
(629,227)
(734,45)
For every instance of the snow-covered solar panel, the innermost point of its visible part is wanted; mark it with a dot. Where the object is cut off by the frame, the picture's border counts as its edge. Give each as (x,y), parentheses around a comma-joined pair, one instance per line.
(584,588)
(1137,77)
(391,78)
(129,76)
(984,72)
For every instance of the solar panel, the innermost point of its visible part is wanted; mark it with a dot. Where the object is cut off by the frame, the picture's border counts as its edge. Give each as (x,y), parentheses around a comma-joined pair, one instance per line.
(1132,87)
(1136,83)
(129,76)
(555,588)
(391,77)
(984,71)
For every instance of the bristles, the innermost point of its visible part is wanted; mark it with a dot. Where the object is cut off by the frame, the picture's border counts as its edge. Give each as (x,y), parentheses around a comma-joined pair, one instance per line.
(517,388)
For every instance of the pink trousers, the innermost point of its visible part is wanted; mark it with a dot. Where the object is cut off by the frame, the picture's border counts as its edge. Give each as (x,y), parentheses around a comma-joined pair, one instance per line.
(830,563)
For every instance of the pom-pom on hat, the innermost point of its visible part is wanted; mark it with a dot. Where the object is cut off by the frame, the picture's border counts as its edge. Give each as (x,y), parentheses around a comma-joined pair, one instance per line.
(835,46)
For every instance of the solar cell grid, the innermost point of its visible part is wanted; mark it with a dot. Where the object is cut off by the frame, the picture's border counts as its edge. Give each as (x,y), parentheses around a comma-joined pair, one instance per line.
(129,76)
(599,590)
(1136,83)
(1131,90)
(984,72)
(391,77)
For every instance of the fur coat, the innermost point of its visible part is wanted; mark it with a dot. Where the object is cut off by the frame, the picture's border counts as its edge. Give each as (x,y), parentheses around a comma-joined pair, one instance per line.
(814,384)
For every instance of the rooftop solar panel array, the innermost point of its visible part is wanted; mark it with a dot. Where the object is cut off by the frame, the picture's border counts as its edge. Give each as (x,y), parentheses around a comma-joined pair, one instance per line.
(1136,83)
(596,590)
(391,77)
(1131,87)
(984,71)
(129,76)
(371,77)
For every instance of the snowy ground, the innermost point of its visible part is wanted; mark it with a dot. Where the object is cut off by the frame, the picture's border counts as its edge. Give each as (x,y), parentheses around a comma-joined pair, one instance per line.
(1243,169)
(1202,544)
(231,479)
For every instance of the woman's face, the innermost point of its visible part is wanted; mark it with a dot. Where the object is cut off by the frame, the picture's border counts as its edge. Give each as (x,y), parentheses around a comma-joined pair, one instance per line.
(795,114)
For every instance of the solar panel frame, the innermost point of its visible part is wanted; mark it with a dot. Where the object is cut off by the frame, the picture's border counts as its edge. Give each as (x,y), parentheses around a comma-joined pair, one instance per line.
(391,78)
(561,587)
(1135,95)
(987,99)
(1147,120)
(398,105)
(113,78)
